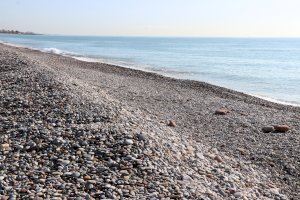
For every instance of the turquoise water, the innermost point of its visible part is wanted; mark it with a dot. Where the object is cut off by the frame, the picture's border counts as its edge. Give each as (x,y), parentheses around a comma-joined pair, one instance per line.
(264,67)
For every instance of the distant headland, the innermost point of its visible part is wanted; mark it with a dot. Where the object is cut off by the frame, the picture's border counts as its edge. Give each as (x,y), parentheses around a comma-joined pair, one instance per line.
(17,32)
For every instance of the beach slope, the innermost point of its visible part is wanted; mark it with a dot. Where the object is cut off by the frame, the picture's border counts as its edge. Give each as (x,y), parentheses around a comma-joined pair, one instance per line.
(92,130)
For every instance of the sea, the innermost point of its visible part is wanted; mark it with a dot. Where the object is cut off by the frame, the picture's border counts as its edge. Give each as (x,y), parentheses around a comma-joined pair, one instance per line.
(268,68)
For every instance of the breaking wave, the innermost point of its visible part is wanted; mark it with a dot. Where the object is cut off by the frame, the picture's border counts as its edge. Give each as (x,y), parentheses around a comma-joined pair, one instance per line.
(59,51)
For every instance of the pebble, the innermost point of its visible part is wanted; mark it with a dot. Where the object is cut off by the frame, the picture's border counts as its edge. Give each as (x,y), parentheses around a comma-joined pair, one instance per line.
(222,111)
(87,177)
(76,174)
(68,174)
(5,146)
(171,123)
(200,155)
(282,128)
(268,129)
(238,195)
(242,151)
(64,162)
(128,142)
(218,158)
(232,190)
(90,186)
(92,181)
(141,137)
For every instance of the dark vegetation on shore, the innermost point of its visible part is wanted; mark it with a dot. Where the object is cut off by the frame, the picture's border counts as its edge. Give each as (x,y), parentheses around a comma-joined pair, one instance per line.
(17,32)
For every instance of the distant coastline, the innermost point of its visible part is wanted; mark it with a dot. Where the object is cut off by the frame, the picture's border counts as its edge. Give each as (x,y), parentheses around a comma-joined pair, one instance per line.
(15,32)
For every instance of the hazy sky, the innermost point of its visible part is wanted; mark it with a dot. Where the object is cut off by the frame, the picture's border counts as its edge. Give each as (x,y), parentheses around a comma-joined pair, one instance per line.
(276,18)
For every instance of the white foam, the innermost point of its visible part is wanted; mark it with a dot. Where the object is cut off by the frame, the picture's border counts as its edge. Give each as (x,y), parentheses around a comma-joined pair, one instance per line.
(46,50)
(86,59)
(276,100)
(114,62)
(53,50)
(13,45)
(58,51)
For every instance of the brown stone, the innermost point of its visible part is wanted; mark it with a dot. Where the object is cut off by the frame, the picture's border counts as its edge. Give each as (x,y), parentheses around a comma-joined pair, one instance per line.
(5,146)
(222,111)
(23,190)
(282,128)
(218,158)
(87,177)
(171,123)
(209,175)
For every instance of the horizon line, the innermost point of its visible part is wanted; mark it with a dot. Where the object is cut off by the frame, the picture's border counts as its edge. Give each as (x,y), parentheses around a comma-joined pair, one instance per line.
(165,36)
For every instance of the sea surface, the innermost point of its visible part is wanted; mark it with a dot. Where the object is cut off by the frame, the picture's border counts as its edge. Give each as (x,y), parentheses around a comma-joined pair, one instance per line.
(265,67)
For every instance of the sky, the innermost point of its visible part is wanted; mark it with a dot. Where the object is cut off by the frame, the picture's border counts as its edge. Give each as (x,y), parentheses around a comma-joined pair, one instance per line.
(207,18)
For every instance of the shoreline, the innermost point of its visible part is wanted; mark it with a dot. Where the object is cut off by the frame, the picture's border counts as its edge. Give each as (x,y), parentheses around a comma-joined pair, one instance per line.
(200,153)
(97,60)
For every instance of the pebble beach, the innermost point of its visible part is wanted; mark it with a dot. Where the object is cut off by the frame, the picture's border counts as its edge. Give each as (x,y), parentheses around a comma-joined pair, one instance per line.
(71,129)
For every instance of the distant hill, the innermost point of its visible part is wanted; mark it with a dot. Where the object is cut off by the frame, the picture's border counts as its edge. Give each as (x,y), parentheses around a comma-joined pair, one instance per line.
(17,32)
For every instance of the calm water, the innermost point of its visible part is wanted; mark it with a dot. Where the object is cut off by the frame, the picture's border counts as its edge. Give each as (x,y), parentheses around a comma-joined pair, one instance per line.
(269,68)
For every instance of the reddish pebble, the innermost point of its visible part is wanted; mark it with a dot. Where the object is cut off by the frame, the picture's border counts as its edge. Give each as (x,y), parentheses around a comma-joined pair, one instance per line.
(171,123)
(232,190)
(282,128)
(222,111)
(87,177)
(218,158)
(209,175)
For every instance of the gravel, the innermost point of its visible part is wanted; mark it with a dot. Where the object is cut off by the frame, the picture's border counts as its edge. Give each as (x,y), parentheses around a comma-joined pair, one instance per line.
(71,130)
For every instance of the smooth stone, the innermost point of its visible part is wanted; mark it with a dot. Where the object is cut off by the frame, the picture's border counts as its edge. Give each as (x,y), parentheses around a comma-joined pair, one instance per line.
(218,158)
(87,177)
(268,129)
(5,146)
(222,111)
(80,180)
(57,173)
(242,151)
(128,142)
(90,186)
(68,174)
(124,172)
(92,181)
(42,180)
(282,128)
(64,162)
(238,195)
(141,137)
(76,174)
(172,123)
(232,190)
(200,155)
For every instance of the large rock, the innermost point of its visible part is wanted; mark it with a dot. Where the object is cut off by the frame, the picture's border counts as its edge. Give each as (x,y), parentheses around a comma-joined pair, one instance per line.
(282,128)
